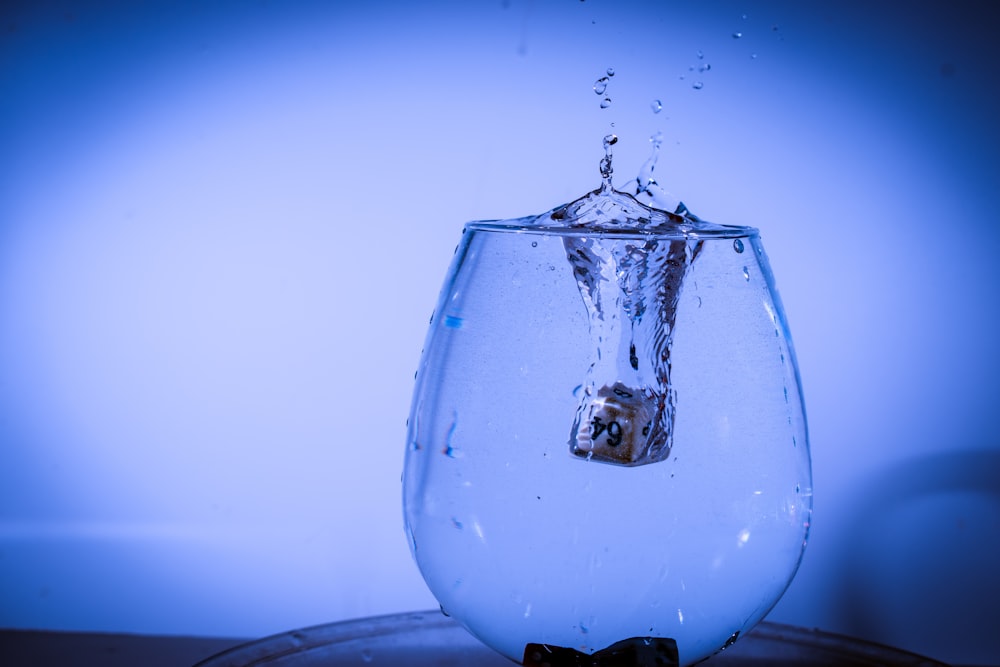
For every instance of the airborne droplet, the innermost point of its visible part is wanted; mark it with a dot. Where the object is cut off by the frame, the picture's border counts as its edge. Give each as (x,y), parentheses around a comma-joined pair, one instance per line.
(656,106)
(697,85)
(611,71)
(738,245)
(737,35)
(601,85)
(606,102)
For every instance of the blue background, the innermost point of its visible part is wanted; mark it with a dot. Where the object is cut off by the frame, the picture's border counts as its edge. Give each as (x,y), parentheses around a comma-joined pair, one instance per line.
(223,227)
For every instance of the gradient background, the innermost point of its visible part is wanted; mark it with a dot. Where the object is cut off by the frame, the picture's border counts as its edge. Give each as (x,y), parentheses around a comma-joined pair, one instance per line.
(223,227)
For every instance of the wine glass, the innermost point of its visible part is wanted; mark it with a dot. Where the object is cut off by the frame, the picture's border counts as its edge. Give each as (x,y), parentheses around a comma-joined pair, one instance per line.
(607,449)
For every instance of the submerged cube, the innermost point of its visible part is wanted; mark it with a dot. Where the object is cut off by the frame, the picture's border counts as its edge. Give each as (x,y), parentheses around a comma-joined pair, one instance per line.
(614,427)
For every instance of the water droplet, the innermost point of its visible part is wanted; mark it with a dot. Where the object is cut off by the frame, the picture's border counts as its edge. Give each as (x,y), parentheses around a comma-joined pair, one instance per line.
(746,274)
(797,488)
(611,71)
(534,244)
(737,35)
(656,106)
(700,54)
(606,102)
(697,85)
(744,17)
(610,140)
(601,85)
(738,245)
(753,56)
(449,449)
(366,654)
(705,67)
(455,522)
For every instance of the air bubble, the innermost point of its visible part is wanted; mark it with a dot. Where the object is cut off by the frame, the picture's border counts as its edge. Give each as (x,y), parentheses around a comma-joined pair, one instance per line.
(656,106)
(601,85)
(738,245)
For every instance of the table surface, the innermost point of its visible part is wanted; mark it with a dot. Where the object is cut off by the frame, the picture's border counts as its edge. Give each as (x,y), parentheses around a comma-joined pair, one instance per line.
(30,648)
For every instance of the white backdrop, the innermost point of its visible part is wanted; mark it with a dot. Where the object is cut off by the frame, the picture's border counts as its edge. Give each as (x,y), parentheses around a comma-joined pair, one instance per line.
(223,228)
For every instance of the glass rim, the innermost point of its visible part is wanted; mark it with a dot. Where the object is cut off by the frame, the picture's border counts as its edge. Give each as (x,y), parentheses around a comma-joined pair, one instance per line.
(688,230)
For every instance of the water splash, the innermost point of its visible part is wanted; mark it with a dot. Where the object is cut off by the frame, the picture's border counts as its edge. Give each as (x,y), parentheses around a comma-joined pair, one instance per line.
(606,169)
(630,286)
